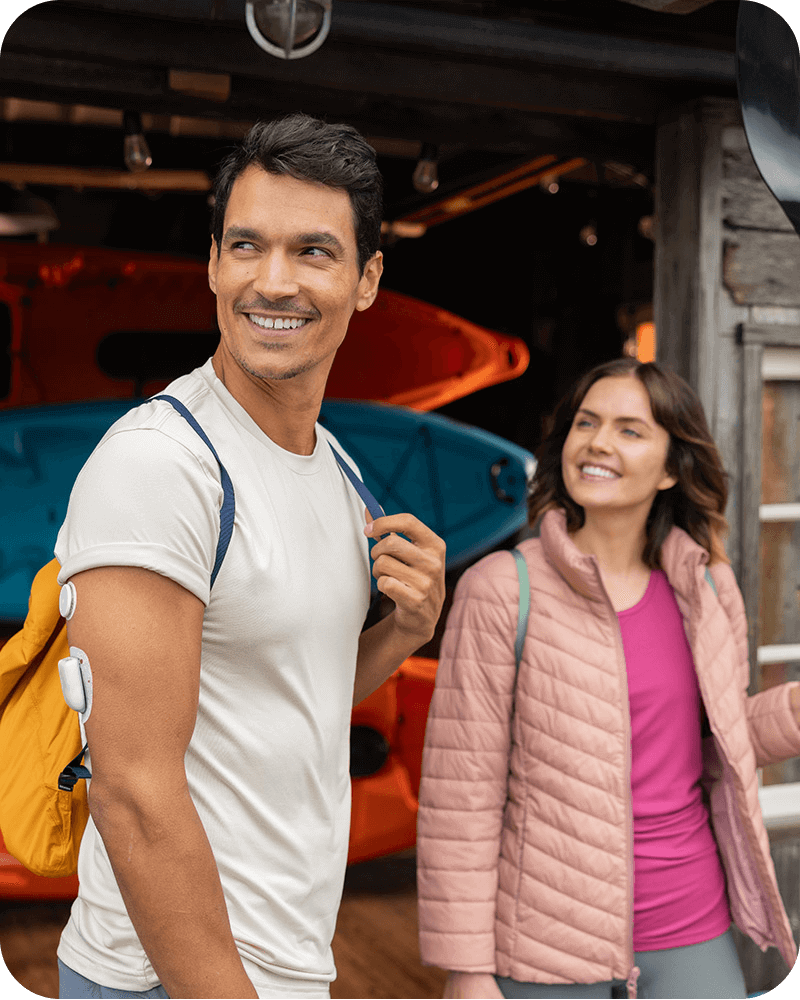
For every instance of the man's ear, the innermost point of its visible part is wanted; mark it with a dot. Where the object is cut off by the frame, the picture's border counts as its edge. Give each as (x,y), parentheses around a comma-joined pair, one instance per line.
(213,261)
(368,285)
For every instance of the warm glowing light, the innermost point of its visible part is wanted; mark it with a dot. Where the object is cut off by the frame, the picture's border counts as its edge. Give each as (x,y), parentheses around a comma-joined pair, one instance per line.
(646,342)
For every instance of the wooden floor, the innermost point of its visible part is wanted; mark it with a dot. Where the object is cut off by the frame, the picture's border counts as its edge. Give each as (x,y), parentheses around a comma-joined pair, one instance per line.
(375,943)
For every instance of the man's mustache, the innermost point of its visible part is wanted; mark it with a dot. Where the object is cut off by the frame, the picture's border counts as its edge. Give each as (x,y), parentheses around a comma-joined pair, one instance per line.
(283,307)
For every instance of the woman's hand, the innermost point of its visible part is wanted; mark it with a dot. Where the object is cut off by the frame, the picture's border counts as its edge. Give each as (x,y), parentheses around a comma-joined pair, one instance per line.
(471,986)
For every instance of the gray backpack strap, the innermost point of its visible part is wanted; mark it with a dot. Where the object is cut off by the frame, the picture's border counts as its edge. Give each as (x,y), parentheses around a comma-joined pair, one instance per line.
(524,604)
(710,579)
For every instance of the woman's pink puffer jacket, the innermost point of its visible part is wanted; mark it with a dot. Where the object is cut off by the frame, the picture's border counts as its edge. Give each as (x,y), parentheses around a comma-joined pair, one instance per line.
(525,865)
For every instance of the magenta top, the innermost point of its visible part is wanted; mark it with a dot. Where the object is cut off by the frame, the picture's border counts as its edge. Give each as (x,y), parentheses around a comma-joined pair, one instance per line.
(679,886)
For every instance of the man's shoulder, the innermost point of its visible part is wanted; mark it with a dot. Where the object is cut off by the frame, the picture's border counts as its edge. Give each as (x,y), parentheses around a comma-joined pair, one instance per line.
(159,415)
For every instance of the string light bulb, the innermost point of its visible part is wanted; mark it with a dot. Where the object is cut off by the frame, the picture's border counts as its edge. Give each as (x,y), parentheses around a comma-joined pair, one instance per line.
(135,149)
(426,173)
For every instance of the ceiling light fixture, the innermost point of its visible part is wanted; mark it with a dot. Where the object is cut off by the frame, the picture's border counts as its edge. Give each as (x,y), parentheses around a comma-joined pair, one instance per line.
(23,213)
(135,148)
(426,173)
(289,29)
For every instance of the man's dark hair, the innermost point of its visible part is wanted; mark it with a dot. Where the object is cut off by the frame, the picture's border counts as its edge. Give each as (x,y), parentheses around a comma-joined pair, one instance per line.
(310,150)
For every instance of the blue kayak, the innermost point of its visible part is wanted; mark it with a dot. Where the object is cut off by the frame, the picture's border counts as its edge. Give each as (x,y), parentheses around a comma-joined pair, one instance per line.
(468,485)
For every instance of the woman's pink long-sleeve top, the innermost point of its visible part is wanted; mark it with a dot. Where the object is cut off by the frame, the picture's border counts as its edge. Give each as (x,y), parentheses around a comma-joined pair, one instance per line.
(525,849)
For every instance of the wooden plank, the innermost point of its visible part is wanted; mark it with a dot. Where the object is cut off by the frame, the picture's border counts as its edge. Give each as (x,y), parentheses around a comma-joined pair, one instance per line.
(777,335)
(761,268)
(747,202)
(728,435)
(750,477)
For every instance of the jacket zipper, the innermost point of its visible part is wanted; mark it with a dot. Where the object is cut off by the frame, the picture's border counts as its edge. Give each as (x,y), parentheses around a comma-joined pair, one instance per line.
(633,971)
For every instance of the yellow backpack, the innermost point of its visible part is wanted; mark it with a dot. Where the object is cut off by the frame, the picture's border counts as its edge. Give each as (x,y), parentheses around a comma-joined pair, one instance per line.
(42,824)
(44,805)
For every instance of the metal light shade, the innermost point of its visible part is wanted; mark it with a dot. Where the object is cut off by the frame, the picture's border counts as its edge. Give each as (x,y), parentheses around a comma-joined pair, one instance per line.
(289,29)
(22,213)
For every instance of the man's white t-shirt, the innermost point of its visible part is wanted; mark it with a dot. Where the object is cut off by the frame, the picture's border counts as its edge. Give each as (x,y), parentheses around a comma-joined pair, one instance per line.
(268,762)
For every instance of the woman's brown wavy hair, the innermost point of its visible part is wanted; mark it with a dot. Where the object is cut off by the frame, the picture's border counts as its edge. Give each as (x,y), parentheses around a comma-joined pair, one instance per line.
(695,503)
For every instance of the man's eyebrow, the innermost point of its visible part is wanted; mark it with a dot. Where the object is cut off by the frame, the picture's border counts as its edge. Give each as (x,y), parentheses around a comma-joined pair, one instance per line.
(321,238)
(619,420)
(240,233)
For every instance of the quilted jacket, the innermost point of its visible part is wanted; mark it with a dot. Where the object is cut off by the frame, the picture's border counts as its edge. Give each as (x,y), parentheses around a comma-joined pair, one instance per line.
(525,845)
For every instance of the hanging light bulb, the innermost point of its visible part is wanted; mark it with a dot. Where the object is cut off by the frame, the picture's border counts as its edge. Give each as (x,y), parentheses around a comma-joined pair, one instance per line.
(289,29)
(426,173)
(588,235)
(136,151)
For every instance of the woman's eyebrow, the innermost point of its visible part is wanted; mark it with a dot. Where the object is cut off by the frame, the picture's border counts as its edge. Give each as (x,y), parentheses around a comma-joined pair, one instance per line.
(618,420)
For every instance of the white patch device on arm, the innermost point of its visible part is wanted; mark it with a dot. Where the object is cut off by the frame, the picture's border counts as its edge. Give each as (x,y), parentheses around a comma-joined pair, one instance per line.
(76,682)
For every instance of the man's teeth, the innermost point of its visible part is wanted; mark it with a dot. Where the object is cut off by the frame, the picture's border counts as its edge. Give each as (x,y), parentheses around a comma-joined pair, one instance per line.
(277,324)
(596,470)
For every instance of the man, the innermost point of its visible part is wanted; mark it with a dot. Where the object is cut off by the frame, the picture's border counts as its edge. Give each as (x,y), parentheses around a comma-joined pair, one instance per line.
(214,859)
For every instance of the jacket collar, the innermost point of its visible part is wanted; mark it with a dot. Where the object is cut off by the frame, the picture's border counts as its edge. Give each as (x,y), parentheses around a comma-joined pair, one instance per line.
(682,559)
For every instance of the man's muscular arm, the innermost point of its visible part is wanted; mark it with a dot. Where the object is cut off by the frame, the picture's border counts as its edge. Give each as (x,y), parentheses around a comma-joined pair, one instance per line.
(142,634)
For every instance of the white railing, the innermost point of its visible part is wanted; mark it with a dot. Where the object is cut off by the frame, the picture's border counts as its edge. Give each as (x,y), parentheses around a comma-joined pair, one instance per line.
(780,804)
(779,512)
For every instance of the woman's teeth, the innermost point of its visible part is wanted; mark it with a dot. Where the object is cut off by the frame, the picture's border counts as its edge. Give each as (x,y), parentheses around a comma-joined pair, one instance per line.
(596,470)
(268,323)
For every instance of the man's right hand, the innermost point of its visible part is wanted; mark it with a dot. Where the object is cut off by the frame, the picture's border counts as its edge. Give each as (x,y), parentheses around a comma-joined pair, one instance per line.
(471,986)
(142,635)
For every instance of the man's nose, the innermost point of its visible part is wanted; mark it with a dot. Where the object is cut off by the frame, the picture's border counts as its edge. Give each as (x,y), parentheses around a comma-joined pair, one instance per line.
(276,276)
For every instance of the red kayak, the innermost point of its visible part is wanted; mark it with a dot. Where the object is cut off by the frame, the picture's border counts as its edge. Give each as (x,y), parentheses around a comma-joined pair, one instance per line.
(93,323)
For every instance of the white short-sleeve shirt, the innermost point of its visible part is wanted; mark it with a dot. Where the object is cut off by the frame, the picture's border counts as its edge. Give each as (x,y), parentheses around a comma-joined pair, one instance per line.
(268,762)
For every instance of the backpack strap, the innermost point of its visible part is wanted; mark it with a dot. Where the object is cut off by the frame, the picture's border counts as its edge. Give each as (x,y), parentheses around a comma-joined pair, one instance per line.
(369,500)
(228,508)
(524,605)
(73,772)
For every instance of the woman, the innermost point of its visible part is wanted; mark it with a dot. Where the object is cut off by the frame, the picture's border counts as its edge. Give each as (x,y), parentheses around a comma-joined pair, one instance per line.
(578,835)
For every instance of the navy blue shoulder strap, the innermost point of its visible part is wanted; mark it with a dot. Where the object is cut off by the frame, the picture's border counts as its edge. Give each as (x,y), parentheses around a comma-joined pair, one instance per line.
(228,509)
(370,502)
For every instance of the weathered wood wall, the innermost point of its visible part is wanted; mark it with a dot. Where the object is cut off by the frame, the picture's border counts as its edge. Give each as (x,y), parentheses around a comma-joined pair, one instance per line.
(727,289)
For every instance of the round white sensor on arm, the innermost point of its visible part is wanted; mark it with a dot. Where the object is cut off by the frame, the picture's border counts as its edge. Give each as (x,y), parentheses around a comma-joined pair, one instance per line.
(67,599)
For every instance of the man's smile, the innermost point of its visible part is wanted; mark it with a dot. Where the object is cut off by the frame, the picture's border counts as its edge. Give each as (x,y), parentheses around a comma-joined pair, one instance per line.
(277,322)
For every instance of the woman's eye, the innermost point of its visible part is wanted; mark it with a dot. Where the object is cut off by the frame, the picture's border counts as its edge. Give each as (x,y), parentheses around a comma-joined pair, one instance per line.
(630,430)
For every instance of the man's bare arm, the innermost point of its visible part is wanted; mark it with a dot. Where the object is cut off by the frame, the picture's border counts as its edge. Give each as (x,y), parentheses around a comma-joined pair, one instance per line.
(142,634)
(410,571)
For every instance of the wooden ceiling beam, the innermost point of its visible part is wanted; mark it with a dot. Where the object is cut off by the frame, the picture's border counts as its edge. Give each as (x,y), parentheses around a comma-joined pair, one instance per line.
(671,6)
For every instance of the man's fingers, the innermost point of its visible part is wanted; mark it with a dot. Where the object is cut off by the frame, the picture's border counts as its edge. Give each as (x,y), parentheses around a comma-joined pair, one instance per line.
(403,524)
